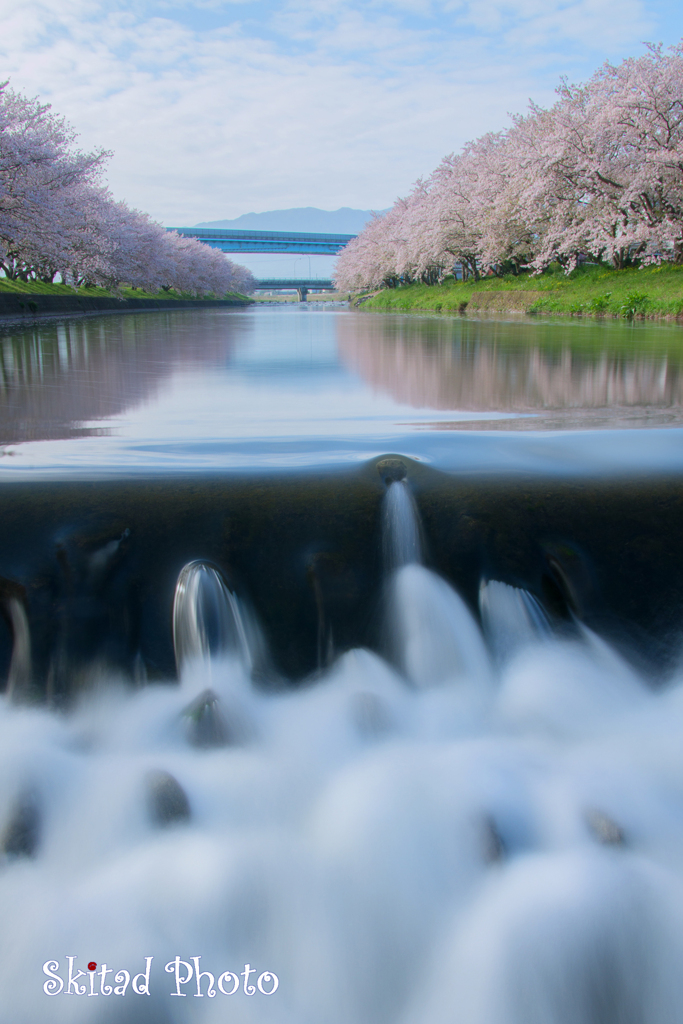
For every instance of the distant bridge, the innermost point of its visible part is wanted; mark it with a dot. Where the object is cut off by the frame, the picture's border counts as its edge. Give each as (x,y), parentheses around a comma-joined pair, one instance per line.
(302,286)
(311,243)
(276,283)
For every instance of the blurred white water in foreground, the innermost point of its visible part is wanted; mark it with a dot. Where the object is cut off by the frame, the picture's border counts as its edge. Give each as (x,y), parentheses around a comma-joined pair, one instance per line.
(487,833)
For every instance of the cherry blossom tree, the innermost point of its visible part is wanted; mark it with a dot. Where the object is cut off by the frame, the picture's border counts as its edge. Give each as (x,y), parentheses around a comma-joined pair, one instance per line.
(600,173)
(610,163)
(38,167)
(56,218)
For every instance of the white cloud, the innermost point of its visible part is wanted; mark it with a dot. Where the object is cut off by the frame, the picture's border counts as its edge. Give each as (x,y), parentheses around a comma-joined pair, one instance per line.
(296,102)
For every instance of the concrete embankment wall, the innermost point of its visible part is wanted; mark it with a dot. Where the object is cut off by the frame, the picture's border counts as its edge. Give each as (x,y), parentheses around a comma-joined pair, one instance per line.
(18,304)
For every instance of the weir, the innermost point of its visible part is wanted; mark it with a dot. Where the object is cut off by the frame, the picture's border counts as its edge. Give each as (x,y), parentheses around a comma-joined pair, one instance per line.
(333,710)
(88,569)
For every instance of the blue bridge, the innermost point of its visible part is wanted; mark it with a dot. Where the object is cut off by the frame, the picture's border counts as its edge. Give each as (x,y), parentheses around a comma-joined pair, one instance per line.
(311,243)
(303,286)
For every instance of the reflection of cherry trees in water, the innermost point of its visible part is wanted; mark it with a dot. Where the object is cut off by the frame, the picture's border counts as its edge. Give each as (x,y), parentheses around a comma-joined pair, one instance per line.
(489,366)
(57,375)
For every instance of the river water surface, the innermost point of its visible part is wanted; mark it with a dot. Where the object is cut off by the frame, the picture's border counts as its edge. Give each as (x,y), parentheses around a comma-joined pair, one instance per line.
(307,385)
(342,662)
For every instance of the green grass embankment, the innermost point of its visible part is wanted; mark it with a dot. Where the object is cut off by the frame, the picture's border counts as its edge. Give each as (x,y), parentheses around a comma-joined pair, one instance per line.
(653,292)
(41,288)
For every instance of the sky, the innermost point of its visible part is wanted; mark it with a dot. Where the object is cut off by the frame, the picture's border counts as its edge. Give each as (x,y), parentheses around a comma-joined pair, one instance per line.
(221,107)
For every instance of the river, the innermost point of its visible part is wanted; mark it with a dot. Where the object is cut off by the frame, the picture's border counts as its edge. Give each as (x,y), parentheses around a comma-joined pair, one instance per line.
(342,661)
(308,385)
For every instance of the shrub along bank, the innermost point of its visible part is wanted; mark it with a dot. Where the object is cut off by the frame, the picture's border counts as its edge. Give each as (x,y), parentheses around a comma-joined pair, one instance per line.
(652,292)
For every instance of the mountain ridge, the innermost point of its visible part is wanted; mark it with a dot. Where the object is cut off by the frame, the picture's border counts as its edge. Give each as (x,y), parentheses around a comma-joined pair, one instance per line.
(344,221)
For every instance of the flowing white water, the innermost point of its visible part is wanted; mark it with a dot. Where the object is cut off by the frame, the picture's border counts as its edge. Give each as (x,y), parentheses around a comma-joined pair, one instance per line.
(512,617)
(436,637)
(446,842)
(402,543)
(208,619)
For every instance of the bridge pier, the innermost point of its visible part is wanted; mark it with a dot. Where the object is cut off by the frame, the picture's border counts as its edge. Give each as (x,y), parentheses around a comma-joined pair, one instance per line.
(302,293)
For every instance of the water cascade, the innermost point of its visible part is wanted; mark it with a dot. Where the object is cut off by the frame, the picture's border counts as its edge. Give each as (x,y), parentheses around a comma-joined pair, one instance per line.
(207,618)
(512,617)
(437,637)
(484,826)
(212,627)
(402,544)
(434,636)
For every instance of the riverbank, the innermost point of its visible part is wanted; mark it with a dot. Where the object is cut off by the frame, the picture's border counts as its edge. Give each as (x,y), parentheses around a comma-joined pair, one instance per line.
(653,293)
(19,299)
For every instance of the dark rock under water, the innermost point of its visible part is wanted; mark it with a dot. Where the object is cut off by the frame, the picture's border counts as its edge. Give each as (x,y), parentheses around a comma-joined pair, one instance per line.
(21,835)
(166,798)
(206,724)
